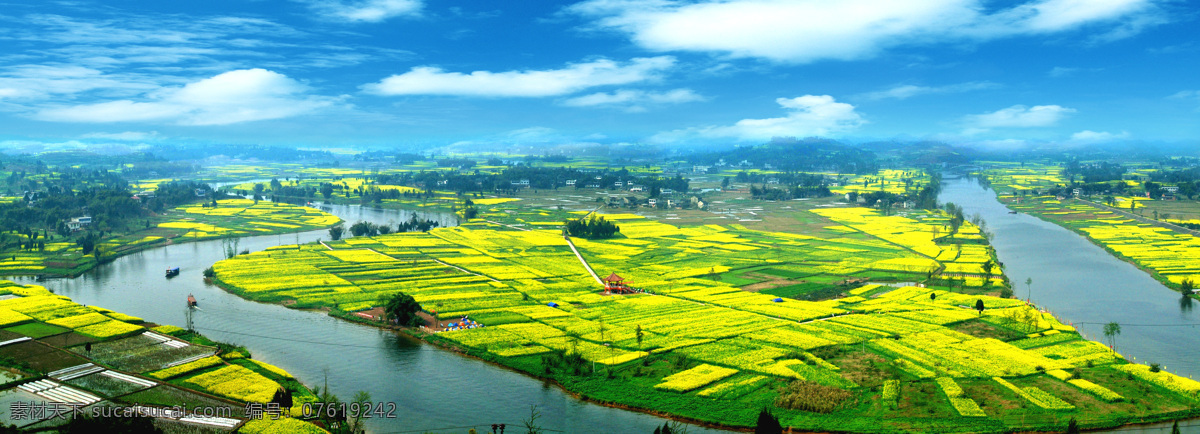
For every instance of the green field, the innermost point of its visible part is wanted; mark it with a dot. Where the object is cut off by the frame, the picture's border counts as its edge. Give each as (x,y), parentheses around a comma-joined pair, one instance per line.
(122,344)
(712,349)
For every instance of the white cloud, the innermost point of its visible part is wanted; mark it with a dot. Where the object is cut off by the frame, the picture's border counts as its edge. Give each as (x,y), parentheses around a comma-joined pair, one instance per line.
(1186,94)
(1062,71)
(228,98)
(428,80)
(366,11)
(1056,15)
(1019,116)
(40,81)
(909,91)
(126,136)
(1089,136)
(808,115)
(634,100)
(809,30)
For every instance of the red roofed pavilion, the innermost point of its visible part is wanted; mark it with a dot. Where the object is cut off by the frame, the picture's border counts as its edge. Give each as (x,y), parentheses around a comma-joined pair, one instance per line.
(614,284)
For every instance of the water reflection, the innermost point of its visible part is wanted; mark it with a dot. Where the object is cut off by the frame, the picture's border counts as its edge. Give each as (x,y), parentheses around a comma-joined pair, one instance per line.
(1186,303)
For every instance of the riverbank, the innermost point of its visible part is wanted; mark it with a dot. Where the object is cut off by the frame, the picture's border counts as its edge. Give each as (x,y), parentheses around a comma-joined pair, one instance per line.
(59,352)
(429,337)
(580,390)
(231,219)
(353,357)
(1092,222)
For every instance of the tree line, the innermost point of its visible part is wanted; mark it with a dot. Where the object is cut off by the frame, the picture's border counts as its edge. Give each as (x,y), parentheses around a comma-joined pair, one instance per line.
(594,227)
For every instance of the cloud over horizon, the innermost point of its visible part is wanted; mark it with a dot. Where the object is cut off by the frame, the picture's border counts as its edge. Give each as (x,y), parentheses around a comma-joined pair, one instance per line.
(1019,116)
(634,100)
(808,115)
(429,80)
(228,98)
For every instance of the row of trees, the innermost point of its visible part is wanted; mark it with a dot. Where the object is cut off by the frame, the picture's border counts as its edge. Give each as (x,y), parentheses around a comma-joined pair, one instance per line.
(544,178)
(592,228)
(811,154)
(40,216)
(368,229)
(794,192)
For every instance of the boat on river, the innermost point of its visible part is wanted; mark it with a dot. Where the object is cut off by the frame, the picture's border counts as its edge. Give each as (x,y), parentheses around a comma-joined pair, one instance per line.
(172,272)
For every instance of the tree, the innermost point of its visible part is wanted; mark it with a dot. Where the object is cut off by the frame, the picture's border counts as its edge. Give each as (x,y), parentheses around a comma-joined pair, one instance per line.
(637,331)
(1111,331)
(531,423)
(357,421)
(230,246)
(1029,287)
(364,229)
(402,309)
(1072,427)
(327,190)
(767,423)
(987,271)
(330,401)
(1175,428)
(336,231)
(979,306)
(1187,285)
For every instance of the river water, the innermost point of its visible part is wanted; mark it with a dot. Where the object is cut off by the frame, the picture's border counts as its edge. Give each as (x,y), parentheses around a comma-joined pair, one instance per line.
(1083,284)
(434,389)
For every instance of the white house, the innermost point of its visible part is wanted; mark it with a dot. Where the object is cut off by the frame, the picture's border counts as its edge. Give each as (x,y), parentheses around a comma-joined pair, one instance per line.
(78,223)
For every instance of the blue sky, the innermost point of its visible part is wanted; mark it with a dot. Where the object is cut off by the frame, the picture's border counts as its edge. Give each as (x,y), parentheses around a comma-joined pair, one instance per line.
(430,73)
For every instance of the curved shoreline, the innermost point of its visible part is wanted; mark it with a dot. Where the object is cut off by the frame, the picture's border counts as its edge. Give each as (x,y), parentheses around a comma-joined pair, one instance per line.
(1150,271)
(164,243)
(461,351)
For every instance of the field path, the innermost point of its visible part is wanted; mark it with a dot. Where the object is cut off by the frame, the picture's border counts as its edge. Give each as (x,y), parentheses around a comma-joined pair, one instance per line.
(1140,218)
(581,260)
(509,226)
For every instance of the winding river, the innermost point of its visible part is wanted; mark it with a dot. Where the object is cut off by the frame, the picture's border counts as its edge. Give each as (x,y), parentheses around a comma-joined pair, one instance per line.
(437,390)
(434,389)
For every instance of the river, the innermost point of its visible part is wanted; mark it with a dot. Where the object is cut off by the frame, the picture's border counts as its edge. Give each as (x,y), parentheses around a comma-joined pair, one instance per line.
(1083,284)
(437,390)
(434,389)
